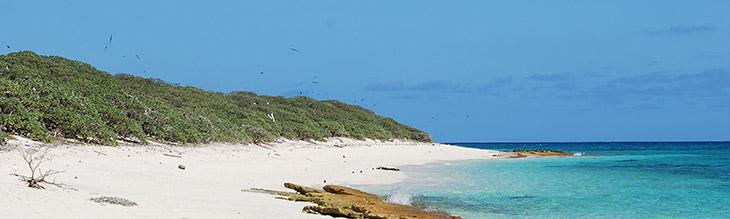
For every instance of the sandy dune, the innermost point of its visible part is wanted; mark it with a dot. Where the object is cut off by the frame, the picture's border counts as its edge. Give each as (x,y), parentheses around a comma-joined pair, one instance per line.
(210,186)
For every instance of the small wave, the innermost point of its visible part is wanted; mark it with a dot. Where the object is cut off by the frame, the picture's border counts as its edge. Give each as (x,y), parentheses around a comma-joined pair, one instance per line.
(521,197)
(578,154)
(399,198)
(629,160)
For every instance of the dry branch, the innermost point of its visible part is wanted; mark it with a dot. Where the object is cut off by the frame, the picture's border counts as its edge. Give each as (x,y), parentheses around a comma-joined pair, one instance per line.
(34,158)
(100,153)
(172,155)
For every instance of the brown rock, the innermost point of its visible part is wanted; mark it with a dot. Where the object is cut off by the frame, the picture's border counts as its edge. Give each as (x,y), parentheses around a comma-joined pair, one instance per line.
(340,201)
(519,153)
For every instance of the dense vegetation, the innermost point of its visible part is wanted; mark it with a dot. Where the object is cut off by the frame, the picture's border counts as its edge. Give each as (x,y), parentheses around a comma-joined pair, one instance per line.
(47,98)
(3,137)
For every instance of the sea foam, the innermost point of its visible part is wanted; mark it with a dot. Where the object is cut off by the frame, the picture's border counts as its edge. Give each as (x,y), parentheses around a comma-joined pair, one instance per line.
(399,198)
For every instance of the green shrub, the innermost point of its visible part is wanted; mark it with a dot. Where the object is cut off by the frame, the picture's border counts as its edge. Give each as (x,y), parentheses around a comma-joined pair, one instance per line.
(4,137)
(43,97)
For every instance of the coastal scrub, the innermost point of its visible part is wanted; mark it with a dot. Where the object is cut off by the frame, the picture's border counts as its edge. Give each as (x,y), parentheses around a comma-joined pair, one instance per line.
(49,97)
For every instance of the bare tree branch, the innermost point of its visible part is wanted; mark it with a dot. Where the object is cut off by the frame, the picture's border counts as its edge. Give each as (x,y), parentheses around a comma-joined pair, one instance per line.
(34,158)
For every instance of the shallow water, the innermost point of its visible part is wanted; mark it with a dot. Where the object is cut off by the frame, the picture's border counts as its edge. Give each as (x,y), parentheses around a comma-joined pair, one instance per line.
(625,180)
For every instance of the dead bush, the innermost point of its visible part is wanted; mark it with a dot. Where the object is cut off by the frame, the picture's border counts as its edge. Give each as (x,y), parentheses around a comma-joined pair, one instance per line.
(34,158)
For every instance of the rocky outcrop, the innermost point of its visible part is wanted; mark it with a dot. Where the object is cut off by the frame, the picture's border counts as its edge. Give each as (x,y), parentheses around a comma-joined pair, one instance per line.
(340,201)
(527,153)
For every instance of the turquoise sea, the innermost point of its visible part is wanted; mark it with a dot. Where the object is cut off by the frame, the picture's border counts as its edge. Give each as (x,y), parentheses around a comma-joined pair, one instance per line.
(610,180)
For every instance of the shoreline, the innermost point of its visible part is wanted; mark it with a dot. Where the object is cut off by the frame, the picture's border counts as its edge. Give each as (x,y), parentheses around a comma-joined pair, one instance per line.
(210,186)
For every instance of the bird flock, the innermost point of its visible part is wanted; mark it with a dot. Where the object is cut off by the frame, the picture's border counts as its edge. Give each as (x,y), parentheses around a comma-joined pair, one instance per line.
(293,50)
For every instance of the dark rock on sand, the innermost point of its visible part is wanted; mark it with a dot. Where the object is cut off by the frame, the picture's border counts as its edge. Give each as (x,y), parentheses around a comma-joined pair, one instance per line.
(388,168)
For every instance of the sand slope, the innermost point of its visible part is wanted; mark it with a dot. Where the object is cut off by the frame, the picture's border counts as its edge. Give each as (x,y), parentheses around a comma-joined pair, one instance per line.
(210,186)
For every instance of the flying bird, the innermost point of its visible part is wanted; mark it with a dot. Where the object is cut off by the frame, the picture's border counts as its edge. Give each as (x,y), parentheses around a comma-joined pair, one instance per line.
(138,57)
(294,49)
(109,43)
(315,82)
(7,46)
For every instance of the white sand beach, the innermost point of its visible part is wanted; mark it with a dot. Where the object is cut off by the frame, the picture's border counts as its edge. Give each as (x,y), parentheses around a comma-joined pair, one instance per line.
(210,186)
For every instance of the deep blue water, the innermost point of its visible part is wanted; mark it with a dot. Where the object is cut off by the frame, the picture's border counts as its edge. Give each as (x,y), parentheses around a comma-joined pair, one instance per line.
(612,180)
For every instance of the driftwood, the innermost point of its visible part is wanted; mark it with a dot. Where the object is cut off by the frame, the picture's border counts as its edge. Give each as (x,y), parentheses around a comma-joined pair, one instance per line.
(271,116)
(172,155)
(99,152)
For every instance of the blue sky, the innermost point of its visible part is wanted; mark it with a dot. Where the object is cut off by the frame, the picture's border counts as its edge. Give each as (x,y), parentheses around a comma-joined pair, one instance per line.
(460,70)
